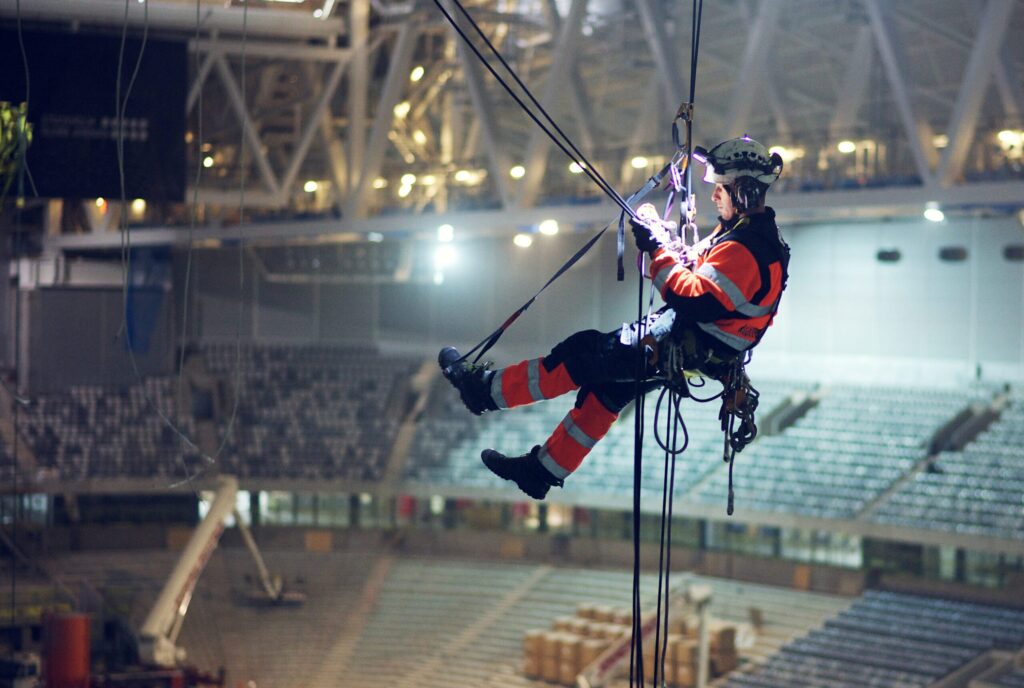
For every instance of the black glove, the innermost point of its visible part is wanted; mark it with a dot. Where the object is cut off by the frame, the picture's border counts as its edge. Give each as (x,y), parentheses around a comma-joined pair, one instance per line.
(648,230)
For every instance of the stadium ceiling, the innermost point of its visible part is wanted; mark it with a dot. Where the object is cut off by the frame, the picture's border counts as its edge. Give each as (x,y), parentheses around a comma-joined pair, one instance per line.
(925,95)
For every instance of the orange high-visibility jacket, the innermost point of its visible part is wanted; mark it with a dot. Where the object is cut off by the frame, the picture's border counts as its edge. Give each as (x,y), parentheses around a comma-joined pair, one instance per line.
(732,291)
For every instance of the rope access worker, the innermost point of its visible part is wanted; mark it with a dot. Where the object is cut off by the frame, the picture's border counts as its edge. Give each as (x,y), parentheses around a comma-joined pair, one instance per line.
(720,296)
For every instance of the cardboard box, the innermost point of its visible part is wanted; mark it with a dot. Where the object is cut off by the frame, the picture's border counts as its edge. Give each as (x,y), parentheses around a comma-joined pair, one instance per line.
(590,650)
(569,658)
(723,635)
(532,641)
(686,652)
(622,616)
(723,662)
(563,623)
(531,666)
(683,676)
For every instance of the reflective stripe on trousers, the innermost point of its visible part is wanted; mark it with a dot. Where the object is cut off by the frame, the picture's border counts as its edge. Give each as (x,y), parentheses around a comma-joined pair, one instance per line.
(528,382)
(575,436)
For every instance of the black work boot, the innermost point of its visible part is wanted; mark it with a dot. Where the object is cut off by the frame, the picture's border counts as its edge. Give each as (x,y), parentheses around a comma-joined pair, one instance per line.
(472,381)
(526,471)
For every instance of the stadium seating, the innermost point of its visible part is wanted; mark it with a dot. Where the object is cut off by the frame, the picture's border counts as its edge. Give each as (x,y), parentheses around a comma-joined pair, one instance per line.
(975,491)
(1013,679)
(447,446)
(842,454)
(309,412)
(890,639)
(102,432)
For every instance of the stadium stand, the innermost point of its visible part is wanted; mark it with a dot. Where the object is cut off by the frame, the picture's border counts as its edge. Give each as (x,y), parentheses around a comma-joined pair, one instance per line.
(1013,679)
(312,412)
(843,453)
(475,611)
(977,490)
(889,639)
(101,432)
(447,446)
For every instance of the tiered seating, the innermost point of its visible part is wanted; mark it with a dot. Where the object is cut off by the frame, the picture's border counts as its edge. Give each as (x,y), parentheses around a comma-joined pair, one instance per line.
(477,614)
(890,639)
(446,449)
(310,412)
(844,453)
(103,432)
(1013,679)
(977,490)
(448,443)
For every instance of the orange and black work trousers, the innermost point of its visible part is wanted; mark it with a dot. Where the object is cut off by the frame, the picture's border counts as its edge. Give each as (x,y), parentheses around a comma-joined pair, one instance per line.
(597,364)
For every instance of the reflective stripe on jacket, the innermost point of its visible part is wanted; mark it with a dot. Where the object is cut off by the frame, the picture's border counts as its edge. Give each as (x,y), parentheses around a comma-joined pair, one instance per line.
(733,289)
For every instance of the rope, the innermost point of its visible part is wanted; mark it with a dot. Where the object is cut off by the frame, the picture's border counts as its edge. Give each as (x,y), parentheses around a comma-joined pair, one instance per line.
(674,420)
(570,149)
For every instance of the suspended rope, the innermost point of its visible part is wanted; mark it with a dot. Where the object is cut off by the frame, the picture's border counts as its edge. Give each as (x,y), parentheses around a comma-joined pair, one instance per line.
(681,191)
(563,141)
(121,105)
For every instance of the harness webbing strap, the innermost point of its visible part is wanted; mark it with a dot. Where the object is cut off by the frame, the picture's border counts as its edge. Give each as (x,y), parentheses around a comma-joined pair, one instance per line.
(650,185)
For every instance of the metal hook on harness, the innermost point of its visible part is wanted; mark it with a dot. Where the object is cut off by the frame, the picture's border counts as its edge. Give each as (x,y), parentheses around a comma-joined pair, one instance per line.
(683,114)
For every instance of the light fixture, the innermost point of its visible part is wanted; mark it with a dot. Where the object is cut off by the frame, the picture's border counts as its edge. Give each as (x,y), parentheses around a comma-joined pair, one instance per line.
(463,176)
(523,240)
(380,183)
(404,190)
(1009,138)
(445,233)
(940,140)
(846,146)
(444,256)
(310,186)
(317,13)
(517,172)
(933,213)
(787,154)
(548,227)
(576,168)
(100,202)
(408,179)
(375,237)
(402,109)
(419,137)
(428,180)
(638,162)
(139,206)
(417,73)
(208,161)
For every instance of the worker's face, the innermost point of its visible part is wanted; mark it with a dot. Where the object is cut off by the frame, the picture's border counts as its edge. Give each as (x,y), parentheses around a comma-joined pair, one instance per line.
(723,202)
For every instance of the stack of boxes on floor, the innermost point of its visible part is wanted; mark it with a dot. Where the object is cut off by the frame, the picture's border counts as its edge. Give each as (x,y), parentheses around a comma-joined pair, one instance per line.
(561,654)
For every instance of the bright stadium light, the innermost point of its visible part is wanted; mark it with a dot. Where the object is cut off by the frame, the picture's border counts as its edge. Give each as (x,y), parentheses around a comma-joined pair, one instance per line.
(444,256)
(517,172)
(310,186)
(402,109)
(846,146)
(380,183)
(445,233)
(548,227)
(576,168)
(523,240)
(417,73)
(408,179)
(639,162)
(933,213)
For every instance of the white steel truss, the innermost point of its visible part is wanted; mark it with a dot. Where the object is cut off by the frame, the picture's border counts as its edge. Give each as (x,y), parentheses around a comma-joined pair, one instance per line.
(333,100)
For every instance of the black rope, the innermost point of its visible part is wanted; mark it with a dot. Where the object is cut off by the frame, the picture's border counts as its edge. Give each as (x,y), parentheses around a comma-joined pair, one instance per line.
(574,154)
(673,421)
